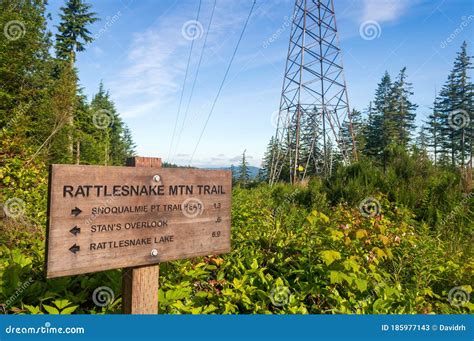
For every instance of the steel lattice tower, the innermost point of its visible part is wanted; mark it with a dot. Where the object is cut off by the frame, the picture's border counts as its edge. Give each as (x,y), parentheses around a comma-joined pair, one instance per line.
(314,102)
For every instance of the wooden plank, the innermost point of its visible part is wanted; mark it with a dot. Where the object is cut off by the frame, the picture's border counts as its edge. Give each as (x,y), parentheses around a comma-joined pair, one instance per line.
(140,285)
(140,290)
(127,218)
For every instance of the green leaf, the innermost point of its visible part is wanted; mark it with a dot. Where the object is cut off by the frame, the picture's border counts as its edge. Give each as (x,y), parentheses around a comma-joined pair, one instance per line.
(254,265)
(361,284)
(329,256)
(69,310)
(61,303)
(33,310)
(336,277)
(50,310)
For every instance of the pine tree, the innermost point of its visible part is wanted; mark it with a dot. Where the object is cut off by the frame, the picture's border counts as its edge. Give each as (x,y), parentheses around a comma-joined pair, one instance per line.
(264,172)
(129,144)
(244,172)
(390,118)
(456,110)
(311,154)
(403,114)
(25,66)
(73,33)
(358,128)
(105,138)
(464,103)
(434,134)
(72,36)
(422,143)
(372,133)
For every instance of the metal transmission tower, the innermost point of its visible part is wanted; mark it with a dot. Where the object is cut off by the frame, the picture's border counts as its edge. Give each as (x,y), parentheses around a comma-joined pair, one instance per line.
(314,101)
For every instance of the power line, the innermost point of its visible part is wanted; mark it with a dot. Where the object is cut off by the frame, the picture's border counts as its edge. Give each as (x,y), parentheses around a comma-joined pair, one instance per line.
(184,83)
(196,76)
(223,81)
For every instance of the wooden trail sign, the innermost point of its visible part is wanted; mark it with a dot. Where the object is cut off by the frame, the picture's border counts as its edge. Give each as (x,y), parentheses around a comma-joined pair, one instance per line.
(103,218)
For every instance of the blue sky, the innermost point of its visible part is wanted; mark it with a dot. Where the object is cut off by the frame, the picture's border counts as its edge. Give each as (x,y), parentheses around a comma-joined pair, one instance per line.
(141,54)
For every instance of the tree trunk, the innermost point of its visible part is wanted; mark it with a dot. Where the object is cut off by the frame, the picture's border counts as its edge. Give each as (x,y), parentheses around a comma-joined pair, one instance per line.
(78,152)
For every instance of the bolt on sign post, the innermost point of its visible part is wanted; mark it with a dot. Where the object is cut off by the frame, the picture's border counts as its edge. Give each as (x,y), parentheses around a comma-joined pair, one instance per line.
(106,217)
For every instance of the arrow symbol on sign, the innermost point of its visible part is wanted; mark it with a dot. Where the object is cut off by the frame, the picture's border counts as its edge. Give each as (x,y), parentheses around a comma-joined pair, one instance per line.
(76,211)
(75,248)
(75,230)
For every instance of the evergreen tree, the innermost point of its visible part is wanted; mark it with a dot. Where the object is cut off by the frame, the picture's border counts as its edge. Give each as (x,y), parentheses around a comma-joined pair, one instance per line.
(434,132)
(463,119)
(311,153)
(73,33)
(72,36)
(25,67)
(456,110)
(244,172)
(403,114)
(358,128)
(421,143)
(391,118)
(381,126)
(372,133)
(264,172)
(106,138)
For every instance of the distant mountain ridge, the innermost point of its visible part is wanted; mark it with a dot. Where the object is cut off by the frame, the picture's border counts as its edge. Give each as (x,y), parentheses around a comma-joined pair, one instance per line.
(235,170)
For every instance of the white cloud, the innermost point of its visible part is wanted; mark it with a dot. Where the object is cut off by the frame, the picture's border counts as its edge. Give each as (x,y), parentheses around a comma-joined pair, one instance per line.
(155,64)
(385,10)
(151,73)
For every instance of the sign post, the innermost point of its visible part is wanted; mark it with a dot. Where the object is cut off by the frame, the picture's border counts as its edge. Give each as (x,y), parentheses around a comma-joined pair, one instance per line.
(107,217)
(140,285)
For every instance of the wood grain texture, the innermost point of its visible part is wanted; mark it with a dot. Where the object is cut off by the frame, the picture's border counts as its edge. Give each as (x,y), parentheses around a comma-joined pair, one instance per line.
(140,290)
(140,285)
(106,234)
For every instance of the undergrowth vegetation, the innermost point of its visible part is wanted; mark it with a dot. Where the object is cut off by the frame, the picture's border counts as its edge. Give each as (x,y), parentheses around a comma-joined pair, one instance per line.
(364,241)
